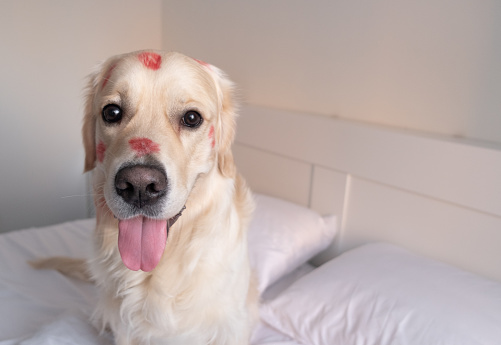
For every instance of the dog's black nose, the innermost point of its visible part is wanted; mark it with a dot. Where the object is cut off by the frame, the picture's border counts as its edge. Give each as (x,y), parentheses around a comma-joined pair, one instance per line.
(141,185)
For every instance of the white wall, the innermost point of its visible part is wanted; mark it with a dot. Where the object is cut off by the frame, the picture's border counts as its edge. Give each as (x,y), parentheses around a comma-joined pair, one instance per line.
(47,49)
(430,66)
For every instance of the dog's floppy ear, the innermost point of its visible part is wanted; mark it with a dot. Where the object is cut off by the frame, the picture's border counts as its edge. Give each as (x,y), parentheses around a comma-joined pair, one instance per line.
(225,126)
(96,80)
(89,123)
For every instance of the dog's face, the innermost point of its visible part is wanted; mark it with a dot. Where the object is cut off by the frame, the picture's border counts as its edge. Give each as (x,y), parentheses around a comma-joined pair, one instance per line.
(155,122)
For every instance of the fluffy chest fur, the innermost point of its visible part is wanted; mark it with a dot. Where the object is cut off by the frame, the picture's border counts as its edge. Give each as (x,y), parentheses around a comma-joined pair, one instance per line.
(194,295)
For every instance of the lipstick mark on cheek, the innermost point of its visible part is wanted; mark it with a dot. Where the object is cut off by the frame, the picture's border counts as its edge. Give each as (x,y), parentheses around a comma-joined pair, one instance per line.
(100,151)
(143,146)
(150,60)
(211,136)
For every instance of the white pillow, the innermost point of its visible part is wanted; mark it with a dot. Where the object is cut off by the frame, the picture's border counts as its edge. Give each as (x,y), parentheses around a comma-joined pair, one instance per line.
(283,235)
(381,294)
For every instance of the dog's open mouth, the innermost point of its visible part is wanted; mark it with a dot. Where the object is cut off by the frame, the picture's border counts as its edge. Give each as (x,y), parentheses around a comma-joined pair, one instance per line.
(142,240)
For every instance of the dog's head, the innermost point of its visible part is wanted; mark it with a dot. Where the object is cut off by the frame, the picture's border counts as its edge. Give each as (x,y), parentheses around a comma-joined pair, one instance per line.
(154,123)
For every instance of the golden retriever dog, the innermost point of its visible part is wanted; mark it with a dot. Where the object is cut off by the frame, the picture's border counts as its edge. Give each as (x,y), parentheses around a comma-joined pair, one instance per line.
(170,260)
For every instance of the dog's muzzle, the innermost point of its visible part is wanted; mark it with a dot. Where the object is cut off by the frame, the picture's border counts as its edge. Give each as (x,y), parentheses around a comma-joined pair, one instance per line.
(142,236)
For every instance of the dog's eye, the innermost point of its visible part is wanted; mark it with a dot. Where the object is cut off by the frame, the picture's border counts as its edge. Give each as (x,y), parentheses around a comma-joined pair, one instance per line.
(112,113)
(192,119)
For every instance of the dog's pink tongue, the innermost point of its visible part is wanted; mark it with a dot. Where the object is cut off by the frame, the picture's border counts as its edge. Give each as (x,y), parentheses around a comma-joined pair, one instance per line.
(141,242)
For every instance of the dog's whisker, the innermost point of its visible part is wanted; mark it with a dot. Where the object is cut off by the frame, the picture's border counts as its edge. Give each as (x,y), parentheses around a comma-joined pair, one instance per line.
(76,196)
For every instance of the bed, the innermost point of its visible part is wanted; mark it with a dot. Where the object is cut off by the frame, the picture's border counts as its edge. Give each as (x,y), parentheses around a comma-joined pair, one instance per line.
(362,235)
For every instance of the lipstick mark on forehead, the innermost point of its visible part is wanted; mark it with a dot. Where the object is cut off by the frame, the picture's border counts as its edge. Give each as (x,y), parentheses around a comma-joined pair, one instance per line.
(203,63)
(107,76)
(150,60)
(100,151)
(211,136)
(143,146)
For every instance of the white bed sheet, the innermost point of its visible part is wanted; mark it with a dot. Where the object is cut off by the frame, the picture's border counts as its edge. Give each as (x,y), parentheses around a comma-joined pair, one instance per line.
(45,307)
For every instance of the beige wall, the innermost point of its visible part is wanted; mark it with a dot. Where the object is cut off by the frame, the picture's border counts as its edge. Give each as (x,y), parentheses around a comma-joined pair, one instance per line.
(428,65)
(431,66)
(47,48)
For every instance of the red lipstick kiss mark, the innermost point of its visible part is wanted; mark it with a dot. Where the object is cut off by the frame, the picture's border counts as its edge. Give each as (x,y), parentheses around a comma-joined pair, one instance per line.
(100,150)
(108,75)
(143,146)
(211,136)
(203,63)
(150,60)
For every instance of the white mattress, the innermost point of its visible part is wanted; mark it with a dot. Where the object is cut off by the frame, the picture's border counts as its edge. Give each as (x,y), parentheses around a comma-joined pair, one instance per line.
(44,307)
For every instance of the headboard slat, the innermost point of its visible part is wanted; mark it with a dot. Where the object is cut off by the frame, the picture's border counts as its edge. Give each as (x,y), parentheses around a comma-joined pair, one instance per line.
(435,196)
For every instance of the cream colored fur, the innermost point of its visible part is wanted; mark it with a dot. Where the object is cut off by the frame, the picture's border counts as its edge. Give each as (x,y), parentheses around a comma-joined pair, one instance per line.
(201,292)
(75,268)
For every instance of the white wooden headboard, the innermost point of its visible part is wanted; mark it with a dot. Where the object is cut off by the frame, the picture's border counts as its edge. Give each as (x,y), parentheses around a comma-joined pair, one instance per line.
(434,196)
